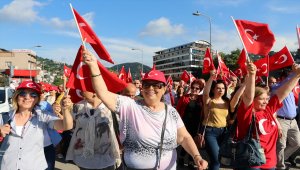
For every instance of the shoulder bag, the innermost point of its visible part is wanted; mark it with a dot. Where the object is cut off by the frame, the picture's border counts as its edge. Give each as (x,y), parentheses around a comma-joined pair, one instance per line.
(243,153)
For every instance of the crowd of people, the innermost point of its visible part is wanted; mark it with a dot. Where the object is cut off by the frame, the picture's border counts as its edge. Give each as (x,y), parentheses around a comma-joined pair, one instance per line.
(140,128)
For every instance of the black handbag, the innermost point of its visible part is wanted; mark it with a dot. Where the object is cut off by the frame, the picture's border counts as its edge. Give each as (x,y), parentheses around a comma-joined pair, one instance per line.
(243,153)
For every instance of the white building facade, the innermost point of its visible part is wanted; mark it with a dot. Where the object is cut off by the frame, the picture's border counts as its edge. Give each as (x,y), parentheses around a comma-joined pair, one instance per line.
(173,61)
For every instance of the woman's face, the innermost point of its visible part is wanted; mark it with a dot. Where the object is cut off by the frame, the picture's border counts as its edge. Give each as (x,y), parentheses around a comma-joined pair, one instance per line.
(195,89)
(219,89)
(153,90)
(27,99)
(181,90)
(261,101)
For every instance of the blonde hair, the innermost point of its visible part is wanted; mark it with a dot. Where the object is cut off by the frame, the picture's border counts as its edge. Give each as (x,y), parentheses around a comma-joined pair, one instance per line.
(15,99)
(259,91)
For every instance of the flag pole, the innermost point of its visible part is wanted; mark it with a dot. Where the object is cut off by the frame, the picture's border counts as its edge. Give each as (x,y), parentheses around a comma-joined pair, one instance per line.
(240,38)
(298,35)
(77,26)
(268,69)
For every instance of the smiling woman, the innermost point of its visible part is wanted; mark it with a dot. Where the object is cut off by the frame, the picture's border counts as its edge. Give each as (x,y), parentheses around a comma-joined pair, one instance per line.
(151,130)
(23,133)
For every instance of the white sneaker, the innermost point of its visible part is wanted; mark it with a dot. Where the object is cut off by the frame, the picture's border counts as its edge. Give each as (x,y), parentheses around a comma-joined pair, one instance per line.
(60,156)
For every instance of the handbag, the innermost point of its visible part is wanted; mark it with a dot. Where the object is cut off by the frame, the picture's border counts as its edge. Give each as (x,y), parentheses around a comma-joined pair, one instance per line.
(243,153)
(4,144)
(159,150)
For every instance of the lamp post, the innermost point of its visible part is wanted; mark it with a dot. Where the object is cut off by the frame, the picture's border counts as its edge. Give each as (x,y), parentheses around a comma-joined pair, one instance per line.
(30,62)
(209,19)
(142,56)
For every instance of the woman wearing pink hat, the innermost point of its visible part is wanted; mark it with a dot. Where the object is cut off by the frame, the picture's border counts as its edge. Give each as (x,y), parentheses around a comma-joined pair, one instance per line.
(150,130)
(23,146)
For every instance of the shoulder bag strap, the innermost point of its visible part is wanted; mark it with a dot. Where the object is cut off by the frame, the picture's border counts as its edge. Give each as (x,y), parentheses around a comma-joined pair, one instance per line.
(208,115)
(162,136)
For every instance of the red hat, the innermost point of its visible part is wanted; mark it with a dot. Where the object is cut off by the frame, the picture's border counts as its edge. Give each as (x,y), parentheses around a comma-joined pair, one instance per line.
(30,85)
(155,75)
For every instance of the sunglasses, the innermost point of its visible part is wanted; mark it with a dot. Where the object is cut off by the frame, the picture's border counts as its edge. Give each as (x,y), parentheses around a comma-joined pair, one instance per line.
(154,85)
(31,94)
(195,88)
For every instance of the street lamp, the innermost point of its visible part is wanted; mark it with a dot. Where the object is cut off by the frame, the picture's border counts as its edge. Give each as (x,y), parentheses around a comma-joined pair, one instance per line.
(142,55)
(30,62)
(209,19)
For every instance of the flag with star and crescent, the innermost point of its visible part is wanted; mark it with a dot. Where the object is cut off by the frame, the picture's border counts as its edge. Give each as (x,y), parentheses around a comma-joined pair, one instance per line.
(257,37)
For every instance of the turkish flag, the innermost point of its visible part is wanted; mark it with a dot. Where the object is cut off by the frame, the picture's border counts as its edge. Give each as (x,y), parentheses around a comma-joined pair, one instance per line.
(185,76)
(298,35)
(262,66)
(208,63)
(170,86)
(142,74)
(242,62)
(90,36)
(67,71)
(75,95)
(258,79)
(45,86)
(222,68)
(80,77)
(296,92)
(238,72)
(282,58)
(129,77)
(123,75)
(257,37)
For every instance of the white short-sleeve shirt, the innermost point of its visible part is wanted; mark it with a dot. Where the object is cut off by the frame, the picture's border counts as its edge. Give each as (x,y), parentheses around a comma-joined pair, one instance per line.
(140,134)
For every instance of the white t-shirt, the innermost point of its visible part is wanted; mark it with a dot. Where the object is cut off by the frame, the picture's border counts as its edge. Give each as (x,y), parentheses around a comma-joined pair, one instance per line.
(140,133)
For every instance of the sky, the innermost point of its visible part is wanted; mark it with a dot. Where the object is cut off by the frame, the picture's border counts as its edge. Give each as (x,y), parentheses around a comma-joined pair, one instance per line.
(147,25)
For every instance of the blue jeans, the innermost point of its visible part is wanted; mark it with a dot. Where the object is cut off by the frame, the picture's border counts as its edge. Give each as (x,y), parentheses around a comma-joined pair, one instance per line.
(50,156)
(213,139)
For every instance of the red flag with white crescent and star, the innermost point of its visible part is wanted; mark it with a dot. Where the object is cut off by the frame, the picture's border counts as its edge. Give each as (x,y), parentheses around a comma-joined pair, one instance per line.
(170,86)
(296,91)
(298,35)
(75,95)
(242,62)
(208,63)
(90,36)
(80,77)
(142,74)
(185,76)
(123,75)
(282,58)
(262,67)
(67,71)
(129,77)
(223,69)
(257,37)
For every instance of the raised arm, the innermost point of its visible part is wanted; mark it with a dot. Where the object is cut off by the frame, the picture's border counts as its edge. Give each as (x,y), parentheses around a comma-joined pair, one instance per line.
(250,84)
(207,87)
(236,97)
(283,91)
(107,97)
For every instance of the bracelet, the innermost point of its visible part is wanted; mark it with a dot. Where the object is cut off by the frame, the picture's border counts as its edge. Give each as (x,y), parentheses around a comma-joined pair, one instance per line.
(196,156)
(96,75)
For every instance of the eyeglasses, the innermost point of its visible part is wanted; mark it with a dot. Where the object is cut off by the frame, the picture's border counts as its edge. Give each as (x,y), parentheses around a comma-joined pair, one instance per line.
(31,94)
(195,88)
(154,85)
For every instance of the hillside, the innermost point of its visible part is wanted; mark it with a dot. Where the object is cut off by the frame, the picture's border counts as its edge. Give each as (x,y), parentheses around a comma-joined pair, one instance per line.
(57,67)
(134,69)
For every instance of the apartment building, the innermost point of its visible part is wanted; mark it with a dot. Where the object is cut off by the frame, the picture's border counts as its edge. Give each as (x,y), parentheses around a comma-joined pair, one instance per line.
(173,61)
(23,61)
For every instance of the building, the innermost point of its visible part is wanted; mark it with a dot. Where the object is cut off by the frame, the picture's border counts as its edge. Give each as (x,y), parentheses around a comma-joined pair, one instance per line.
(22,61)
(173,61)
